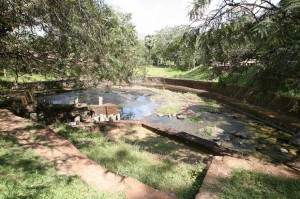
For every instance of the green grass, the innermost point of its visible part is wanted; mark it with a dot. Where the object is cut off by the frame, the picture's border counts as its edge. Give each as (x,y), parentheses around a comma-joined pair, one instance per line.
(156,71)
(206,74)
(208,130)
(247,184)
(25,175)
(197,73)
(168,109)
(26,78)
(173,102)
(166,175)
(196,118)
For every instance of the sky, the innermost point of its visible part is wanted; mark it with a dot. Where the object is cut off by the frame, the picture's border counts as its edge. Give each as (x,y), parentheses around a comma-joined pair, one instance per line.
(152,15)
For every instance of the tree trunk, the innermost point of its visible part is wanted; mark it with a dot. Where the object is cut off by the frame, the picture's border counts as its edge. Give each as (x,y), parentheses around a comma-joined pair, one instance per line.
(17,76)
(4,73)
(149,57)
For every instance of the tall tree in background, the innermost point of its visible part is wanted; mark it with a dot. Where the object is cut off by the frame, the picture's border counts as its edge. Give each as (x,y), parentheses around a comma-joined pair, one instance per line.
(149,43)
(66,37)
(174,46)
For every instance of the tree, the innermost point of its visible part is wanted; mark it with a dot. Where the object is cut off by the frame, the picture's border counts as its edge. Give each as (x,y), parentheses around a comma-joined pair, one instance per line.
(172,45)
(67,37)
(149,43)
(237,31)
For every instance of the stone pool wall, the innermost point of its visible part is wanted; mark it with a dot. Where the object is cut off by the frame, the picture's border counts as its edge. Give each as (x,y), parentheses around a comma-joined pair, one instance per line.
(271,101)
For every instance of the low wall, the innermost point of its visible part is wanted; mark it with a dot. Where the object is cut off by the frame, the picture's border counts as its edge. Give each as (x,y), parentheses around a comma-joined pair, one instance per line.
(281,104)
(201,144)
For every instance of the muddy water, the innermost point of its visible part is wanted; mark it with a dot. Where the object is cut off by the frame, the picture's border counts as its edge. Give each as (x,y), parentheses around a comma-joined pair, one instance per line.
(209,120)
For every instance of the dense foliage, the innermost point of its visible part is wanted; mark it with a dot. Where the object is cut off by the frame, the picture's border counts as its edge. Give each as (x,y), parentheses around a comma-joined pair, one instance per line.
(172,46)
(260,36)
(67,37)
(256,41)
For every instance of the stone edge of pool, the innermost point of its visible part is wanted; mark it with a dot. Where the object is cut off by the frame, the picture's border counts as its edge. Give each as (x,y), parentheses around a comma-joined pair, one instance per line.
(280,121)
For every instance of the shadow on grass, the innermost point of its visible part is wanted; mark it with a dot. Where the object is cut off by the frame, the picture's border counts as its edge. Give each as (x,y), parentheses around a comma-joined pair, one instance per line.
(198,73)
(248,184)
(22,173)
(25,175)
(131,159)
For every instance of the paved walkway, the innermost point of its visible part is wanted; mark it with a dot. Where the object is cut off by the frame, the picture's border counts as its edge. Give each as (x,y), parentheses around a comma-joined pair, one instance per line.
(70,161)
(222,166)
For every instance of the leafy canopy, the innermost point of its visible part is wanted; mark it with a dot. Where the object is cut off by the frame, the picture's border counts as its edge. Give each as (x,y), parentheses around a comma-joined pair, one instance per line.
(67,37)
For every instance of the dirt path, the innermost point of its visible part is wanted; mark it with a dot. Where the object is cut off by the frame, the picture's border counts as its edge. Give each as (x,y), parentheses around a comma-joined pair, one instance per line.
(70,161)
(222,166)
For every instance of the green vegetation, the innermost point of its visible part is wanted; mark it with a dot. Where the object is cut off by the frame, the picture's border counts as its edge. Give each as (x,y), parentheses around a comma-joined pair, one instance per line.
(168,109)
(258,50)
(67,38)
(174,102)
(248,184)
(208,130)
(197,73)
(157,71)
(25,175)
(163,174)
(196,118)
(25,78)
(264,43)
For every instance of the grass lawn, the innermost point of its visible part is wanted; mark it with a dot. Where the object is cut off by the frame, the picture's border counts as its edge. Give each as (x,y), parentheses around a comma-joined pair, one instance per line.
(197,73)
(247,184)
(131,159)
(25,175)
(157,71)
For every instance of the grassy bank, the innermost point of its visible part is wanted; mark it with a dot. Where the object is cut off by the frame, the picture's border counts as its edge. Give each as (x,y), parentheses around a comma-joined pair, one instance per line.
(247,184)
(197,73)
(133,160)
(25,175)
(206,74)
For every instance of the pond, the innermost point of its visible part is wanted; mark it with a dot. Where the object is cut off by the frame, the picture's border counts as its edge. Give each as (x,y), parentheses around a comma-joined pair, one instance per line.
(201,117)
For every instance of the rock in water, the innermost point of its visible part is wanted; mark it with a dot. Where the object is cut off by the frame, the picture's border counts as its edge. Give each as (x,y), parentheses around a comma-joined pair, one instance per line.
(201,130)
(283,150)
(215,131)
(216,139)
(219,143)
(242,135)
(181,117)
(33,116)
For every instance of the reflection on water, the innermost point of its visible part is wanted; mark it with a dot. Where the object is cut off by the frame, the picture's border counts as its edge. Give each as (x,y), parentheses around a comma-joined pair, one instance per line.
(138,109)
(133,105)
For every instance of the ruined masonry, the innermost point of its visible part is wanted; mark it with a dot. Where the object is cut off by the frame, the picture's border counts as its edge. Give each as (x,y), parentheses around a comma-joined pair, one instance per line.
(99,113)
